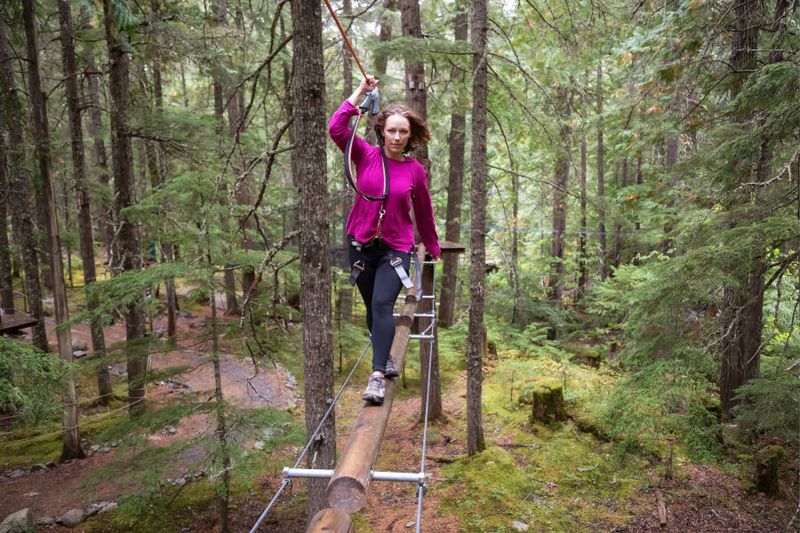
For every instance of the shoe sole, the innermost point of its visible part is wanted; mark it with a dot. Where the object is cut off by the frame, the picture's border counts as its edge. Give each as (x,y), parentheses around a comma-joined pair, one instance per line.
(373,400)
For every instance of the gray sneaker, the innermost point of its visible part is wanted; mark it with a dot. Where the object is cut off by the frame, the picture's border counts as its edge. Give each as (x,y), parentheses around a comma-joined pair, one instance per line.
(376,387)
(391,369)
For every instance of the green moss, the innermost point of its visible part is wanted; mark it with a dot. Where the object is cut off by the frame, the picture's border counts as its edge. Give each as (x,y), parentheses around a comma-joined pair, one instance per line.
(486,491)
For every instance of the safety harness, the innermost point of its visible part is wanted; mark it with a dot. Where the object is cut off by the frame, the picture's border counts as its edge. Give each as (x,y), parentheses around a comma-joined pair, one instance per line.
(370,104)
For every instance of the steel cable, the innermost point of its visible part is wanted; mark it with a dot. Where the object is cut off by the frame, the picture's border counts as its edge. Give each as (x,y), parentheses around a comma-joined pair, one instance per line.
(311,439)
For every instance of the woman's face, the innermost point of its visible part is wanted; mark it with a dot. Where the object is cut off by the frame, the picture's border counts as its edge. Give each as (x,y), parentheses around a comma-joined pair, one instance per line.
(396,132)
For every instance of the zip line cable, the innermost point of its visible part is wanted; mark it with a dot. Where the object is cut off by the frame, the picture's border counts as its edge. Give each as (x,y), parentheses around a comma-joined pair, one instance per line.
(311,439)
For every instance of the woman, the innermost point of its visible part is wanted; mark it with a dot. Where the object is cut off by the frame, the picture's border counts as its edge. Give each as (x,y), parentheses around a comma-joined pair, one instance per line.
(381,230)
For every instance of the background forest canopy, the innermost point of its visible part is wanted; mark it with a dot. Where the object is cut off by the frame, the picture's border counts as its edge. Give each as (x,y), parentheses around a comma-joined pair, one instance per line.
(642,203)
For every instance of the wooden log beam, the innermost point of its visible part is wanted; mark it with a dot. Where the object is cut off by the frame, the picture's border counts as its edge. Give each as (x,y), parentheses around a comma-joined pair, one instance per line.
(347,490)
(331,521)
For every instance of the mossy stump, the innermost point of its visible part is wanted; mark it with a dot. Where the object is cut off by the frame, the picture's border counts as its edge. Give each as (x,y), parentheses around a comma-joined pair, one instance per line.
(547,402)
(767,462)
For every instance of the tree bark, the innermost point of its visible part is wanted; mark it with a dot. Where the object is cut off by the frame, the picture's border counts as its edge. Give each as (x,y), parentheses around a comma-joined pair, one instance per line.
(126,255)
(71,448)
(455,189)
(6,281)
(416,87)
(41,136)
(416,99)
(105,390)
(94,128)
(616,257)
(344,296)
(477,269)
(601,183)
(310,174)
(167,248)
(19,182)
(741,318)
(583,278)
(560,204)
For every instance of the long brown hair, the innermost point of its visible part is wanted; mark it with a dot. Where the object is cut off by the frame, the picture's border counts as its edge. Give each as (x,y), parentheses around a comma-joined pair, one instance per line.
(419,128)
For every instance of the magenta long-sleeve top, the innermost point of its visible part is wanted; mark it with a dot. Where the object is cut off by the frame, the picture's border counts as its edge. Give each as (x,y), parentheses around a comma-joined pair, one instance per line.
(408,187)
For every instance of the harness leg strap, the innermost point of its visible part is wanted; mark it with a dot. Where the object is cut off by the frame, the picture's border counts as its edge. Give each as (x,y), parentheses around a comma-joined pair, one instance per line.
(356,270)
(397,264)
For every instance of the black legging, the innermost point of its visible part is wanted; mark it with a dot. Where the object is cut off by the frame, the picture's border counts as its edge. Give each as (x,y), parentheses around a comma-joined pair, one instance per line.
(379,286)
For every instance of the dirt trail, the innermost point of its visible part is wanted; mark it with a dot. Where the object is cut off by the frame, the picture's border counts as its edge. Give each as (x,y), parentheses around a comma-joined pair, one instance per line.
(54,491)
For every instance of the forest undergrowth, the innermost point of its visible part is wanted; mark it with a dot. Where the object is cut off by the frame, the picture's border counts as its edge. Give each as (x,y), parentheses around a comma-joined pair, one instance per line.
(618,443)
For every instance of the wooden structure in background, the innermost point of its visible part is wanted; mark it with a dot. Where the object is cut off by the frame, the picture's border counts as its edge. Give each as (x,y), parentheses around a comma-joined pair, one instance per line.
(13,322)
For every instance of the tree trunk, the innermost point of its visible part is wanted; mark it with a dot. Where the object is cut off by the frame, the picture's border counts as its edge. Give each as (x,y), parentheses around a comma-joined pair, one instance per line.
(601,183)
(310,174)
(616,257)
(41,136)
(344,295)
(167,248)
(416,99)
(221,433)
(95,131)
(477,268)
(6,281)
(741,318)
(21,207)
(560,204)
(71,438)
(416,87)
(84,212)
(455,189)
(126,254)
(583,278)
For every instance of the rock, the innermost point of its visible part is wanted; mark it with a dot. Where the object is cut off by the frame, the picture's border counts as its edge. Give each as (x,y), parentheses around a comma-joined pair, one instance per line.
(114,444)
(16,474)
(519,526)
(46,521)
(170,430)
(184,314)
(104,449)
(109,507)
(80,344)
(197,325)
(37,467)
(159,333)
(19,522)
(258,445)
(50,464)
(72,518)
(98,507)
(77,354)
(94,448)
(268,433)
(411,524)
(31,494)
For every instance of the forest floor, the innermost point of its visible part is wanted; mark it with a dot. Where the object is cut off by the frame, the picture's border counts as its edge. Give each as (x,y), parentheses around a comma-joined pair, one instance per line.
(554,478)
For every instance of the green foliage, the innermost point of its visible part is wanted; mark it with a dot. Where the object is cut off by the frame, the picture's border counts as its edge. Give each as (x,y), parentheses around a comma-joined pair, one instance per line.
(771,407)
(30,382)
(665,401)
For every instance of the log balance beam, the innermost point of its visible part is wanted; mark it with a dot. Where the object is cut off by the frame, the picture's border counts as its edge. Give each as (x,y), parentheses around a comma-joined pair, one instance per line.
(347,490)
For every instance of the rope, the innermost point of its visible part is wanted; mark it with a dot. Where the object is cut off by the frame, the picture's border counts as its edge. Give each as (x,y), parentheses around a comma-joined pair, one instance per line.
(346,40)
(421,486)
(60,431)
(311,439)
